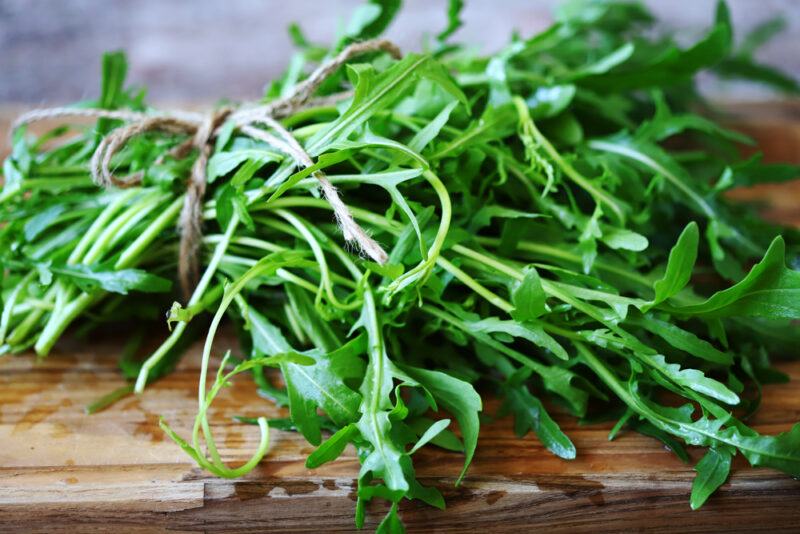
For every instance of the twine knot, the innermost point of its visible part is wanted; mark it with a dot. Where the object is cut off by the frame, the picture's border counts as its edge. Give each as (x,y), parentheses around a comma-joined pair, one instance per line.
(203,129)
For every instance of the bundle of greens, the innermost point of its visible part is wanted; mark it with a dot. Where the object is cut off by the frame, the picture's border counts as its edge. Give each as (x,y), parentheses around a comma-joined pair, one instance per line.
(557,235)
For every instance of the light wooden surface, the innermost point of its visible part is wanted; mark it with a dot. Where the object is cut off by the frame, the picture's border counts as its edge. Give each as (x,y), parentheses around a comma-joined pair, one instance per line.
(61,470)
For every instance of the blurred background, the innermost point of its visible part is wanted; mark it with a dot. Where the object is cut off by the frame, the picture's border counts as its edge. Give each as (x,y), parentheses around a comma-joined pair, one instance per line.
(199,51)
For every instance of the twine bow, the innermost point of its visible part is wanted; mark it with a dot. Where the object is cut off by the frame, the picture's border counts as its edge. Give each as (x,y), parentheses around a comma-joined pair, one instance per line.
(203,129)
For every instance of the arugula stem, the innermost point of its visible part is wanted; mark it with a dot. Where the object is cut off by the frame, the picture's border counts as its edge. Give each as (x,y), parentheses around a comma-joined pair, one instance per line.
(473,284)
(10,302)
(145,239)
(176,334)
(99,224)
(600,196)
(319,255)
(423,269)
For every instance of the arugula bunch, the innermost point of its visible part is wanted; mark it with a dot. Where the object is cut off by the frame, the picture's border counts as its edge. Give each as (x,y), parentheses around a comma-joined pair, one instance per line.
(558,236)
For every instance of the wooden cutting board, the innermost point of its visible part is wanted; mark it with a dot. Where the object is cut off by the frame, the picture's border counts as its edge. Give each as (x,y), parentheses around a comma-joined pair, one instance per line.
(63,470)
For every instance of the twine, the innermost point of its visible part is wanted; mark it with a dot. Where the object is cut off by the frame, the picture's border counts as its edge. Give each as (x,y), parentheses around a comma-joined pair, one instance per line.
(203,129)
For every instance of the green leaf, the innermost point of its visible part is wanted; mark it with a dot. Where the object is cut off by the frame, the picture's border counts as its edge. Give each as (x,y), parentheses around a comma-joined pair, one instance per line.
(445,439)
(778,452)
(369,139)
(309,386)
(684,340)
(747,69)
(325,160)
(332,447)
(483,217)
(375,426)
(391,524)
(530,415)
(770,289)
(389,270)
(376,91)
(115,68)
(549,101)
(495,123)
(760,35)
(712,471)
(223,163)
(42,221)
(679,266)
(92,277)
(318,330)
(12,178)
(458,398)
(372,18)
(528,296)
(232,201)
(621,238)
(670,67)
(432,129)
(693,379)
(454,22)
(605,64)
(430,434)
(528,330)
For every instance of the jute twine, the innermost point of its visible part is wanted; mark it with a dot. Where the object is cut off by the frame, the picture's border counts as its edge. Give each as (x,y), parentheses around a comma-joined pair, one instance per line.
(203,128)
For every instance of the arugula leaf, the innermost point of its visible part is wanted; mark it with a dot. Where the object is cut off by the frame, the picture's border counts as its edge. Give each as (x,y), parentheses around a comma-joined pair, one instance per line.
(546,102)
(712,471)
(454,22)
(115,69)
(770,289)
(375,425)
(530,415)
(377,15)
(91,277)
(528,296)
(684,340)
(430,434)
(679,266)
(671,66)
(375,91)
(458,398)
(331,448)
(529,330)
(308,386)
(222,163)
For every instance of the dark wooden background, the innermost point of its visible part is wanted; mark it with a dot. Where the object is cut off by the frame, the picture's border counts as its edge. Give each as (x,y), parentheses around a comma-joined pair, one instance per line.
(193,50)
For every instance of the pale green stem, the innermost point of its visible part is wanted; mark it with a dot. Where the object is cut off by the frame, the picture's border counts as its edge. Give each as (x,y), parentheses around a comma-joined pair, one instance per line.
(165,347)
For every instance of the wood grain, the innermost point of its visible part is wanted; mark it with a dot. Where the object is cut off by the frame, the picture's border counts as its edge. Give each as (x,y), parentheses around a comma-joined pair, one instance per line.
(61,470)
(60,466)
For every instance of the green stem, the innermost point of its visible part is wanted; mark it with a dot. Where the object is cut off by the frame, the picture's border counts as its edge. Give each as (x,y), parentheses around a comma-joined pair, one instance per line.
(99,225)
(176,334)
(600,196)
(8,305)
(423,269)
(145,239)
(62,317)
(319,255)
(473,284)
(116,229)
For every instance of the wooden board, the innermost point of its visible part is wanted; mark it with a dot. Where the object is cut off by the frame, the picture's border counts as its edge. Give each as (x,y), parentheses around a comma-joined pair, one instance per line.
(63,470)
(61,467)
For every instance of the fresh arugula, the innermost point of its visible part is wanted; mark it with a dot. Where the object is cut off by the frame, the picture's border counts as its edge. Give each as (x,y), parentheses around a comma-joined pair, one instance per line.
(548,245)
